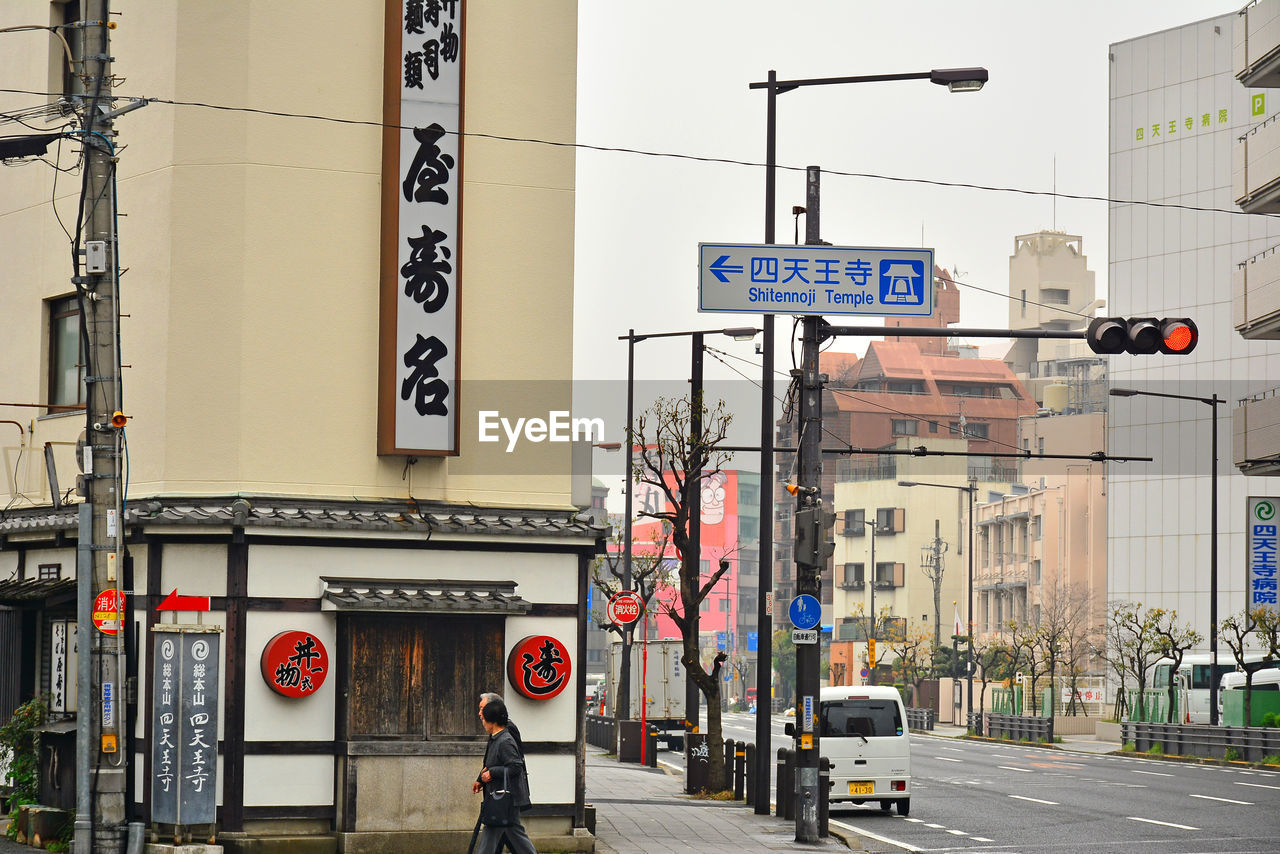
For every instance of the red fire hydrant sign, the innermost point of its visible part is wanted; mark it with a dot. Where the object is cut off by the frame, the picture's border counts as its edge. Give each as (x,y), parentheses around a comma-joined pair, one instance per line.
(108,611)
(624,607)
(295,663)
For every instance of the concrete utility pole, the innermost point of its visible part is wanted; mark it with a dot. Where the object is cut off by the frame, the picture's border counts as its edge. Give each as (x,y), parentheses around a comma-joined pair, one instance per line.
(811,558)
(932,566)
(101,740)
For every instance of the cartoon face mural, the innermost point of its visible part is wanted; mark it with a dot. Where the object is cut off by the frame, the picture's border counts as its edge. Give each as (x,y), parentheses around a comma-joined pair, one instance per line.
(713,492)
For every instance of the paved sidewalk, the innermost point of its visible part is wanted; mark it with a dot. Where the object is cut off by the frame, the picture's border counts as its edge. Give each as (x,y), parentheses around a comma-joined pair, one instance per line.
(644,811)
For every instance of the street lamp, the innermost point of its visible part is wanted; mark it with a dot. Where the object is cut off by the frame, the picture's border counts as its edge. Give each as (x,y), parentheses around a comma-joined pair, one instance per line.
(956,80)
(972,488)
(738,333)
(1213,533)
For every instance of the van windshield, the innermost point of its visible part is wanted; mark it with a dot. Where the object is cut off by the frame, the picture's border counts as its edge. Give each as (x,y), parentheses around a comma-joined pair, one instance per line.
(868,718)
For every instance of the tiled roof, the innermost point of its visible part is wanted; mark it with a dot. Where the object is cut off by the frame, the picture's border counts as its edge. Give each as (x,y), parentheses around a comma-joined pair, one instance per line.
(274,512)
(16,592)
(378,594)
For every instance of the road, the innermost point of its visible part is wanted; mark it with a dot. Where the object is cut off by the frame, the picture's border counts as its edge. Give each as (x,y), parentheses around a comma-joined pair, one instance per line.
(977,796)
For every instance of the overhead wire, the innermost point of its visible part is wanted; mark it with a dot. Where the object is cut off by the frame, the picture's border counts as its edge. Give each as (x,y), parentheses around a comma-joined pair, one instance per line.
(672,155)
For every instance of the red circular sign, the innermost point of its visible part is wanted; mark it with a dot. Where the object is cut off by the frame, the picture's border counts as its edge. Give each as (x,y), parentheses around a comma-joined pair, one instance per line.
(108,611)
(295,664)
(624,607)
(538,667)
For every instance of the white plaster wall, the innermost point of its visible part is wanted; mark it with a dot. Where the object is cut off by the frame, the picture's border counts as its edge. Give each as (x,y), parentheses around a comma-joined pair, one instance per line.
(290,780)
(544,720)
(272,717)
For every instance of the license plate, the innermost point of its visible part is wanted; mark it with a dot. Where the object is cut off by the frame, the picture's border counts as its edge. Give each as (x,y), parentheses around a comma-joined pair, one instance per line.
(861,787)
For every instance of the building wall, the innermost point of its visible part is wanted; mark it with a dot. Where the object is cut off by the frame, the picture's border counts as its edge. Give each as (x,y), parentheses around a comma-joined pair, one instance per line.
(250,239)
(1178,262)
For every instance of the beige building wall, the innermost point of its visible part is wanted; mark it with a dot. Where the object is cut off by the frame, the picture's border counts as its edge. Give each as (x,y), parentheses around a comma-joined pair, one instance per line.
(248,238)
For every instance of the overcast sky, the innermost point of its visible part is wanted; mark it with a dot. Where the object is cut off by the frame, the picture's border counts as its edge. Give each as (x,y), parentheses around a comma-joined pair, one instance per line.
(673,78)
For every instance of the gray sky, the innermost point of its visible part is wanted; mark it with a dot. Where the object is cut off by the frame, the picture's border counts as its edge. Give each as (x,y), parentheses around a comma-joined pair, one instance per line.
(674,79)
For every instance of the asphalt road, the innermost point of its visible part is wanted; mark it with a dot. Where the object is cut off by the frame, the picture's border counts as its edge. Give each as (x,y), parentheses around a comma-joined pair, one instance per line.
(978,796)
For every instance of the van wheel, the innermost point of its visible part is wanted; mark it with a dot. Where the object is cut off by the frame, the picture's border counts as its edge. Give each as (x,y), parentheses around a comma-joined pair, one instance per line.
(904,807)
(886,805)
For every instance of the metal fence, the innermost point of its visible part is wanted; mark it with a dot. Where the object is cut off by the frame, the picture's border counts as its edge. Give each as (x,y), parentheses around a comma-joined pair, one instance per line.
(1019,728)
(602,732)
(920,719)
(1251,744)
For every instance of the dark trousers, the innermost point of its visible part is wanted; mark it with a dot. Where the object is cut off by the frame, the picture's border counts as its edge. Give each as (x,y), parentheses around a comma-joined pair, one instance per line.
(515,838)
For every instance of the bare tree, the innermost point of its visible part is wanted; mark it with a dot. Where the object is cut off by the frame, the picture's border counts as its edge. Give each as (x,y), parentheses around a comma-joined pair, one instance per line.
(1065,627)
(1266,625)
(650,573)
(1172,639)
(1234,632)
(1135,645)
(1024,643)
(674,461)
(993,661)
(913,650)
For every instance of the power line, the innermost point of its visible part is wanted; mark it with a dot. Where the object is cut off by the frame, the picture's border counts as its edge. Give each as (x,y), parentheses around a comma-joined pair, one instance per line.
(640,152)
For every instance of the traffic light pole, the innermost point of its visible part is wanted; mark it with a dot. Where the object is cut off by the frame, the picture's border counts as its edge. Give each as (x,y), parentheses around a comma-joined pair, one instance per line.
(809,566)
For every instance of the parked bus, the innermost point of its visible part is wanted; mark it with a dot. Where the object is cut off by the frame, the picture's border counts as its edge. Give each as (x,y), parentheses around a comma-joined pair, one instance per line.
(1192,681)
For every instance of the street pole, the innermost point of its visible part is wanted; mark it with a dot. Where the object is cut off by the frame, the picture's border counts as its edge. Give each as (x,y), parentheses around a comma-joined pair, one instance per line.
(871,621)
(768,483)
(693,501)
(1213,568)
(623,700)
(809,567)
(973,487)
(102,748)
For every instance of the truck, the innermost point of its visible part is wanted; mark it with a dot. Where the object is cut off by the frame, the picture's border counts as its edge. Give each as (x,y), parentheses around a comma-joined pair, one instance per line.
(663,683)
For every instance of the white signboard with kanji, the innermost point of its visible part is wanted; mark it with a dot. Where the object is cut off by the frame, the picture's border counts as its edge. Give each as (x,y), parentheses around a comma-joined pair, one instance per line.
(1260,554)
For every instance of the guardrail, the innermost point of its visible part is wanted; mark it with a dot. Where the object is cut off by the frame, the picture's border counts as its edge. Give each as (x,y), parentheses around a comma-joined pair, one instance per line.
(1212,742)
(1020,728)
(920,719)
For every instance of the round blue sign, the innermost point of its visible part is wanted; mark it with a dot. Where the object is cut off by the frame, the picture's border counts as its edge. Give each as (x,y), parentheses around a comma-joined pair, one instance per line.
(805,611)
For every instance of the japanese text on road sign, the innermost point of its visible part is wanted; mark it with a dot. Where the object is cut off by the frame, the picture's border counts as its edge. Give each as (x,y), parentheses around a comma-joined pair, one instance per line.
(768,279)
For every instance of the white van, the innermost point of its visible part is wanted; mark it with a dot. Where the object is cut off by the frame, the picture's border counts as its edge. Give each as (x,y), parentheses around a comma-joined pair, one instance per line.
(863,731)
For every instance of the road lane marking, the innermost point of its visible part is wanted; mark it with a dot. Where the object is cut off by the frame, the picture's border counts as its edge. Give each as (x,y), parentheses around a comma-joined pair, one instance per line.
(936,826)
(947,759)
(1011,768)
(1151,773)
(1162,823)
(914,820)
(1035,800)
(1256,785)
(957,833)
(1224,800)
(863,831)
(981,839)
(952,749)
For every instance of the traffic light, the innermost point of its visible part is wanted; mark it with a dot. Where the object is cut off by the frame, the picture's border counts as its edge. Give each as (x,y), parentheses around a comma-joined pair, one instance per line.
(815,535)
(1142,335)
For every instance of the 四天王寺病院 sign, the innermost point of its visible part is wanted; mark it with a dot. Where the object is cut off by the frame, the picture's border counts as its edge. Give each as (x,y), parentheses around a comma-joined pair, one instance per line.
(768,279)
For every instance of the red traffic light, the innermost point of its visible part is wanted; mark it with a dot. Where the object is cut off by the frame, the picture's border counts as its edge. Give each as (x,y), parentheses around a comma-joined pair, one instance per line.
(1178,336)
(1142,335)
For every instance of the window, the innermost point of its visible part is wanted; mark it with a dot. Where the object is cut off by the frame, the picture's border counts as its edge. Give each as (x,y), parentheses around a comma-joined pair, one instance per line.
(50,571)
(1024,302)
(933,426)
(853,576)
(1037,527)
(68,78)
(724,605)
(1035,571)
(747,495)
(905,427)
(971,430)
(748,527)
(704,606)
(969,390)
(891,520)
(889,574)
(855,523)
(66,353)
(866,718)
(418,678)
(1055,296)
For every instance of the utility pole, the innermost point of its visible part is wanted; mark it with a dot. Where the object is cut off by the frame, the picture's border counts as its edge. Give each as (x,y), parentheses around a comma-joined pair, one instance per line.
(811,553)
(102,748)
(932,565)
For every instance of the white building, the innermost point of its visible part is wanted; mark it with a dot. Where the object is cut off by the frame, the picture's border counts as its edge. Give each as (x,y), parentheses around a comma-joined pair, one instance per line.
(1176,238)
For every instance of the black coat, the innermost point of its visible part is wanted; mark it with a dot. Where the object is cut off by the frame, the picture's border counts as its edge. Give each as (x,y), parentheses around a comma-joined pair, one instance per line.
(502,753)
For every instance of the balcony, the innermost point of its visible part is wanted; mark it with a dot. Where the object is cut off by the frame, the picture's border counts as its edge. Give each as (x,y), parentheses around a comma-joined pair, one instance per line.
(1255,168)
(1255,296)
(1256,44)
(1255,427)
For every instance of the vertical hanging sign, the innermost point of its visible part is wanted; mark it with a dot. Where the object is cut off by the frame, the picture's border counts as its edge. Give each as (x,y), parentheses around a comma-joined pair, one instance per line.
(421,219)
(184,731)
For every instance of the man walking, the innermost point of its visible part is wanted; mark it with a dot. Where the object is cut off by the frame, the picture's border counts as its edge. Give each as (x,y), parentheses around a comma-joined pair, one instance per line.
(503,768)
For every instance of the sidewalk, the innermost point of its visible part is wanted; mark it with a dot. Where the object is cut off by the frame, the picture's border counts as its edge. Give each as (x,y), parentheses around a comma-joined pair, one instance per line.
(1079,743)
(644,811)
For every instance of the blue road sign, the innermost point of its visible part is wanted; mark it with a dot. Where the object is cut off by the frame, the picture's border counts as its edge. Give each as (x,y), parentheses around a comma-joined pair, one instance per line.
(771,279)
(753,642)
(805,612)
(721,640)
